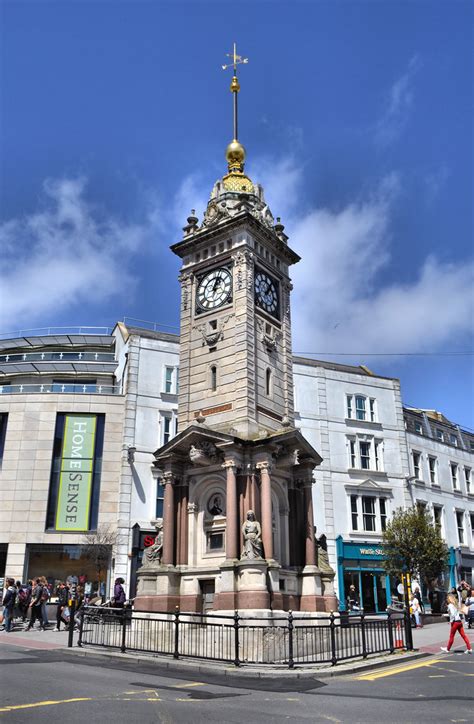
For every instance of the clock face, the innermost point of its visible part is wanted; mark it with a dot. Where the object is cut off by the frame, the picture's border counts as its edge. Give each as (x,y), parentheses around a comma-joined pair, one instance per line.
(266,293)
(214,290)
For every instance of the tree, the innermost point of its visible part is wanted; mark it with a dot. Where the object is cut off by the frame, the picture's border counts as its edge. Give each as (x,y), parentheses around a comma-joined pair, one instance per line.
(98,547)
(413,544)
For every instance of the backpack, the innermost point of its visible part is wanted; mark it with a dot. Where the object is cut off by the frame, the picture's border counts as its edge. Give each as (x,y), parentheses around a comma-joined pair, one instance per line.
(44,594)
(22,595)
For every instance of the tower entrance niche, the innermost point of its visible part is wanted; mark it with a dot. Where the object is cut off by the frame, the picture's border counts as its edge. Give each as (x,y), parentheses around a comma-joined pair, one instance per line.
(238,510)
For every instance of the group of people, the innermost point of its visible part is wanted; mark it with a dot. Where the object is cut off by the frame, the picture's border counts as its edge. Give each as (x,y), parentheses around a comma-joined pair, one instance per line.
(27,603)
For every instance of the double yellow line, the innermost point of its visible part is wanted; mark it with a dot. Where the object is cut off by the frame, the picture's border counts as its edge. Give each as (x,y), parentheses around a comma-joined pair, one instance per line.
(373,675)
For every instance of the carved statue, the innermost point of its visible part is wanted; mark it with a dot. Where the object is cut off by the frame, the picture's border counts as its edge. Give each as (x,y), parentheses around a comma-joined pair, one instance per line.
(252,532)
(322,557)
(152,555)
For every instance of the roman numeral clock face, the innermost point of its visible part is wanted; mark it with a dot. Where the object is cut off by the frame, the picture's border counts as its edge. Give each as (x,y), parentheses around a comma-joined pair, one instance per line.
(214,290)
(266,293)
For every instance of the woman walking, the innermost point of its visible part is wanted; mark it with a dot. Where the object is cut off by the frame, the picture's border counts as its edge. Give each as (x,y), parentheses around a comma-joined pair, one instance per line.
(456,624)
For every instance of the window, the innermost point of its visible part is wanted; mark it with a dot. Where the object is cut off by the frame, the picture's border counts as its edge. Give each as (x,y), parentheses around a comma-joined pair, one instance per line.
(167,434)
(418,428)
(372,409)
(440,434)
(368,513)
(432,467)
(438,516)
(416,464)
(460,526)
(3,432)
(268,382)
(471,445)
(169,379)
(5,388)
(160,496)
(215,541)
(354,512)
(364,449)
(378,455)
(360,407)
(349,407)
(454,475)
(353,462)
(472,527)
(467,478)
(383,513)
(213,378)
(453,439)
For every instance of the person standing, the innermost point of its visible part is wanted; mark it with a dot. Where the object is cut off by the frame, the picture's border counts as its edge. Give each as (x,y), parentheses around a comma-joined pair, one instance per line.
(416,609)
(456,624)
(9,600)
(119,593)
(45,598)
(470,614)
(36,606)
(419,597)
(62,594)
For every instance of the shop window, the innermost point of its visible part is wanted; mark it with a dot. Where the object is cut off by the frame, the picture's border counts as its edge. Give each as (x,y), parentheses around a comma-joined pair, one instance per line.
(3,432)
(160,496)
(432,467)
(460,526)
(416,457)
(454,475)
(59,562)
(73,501)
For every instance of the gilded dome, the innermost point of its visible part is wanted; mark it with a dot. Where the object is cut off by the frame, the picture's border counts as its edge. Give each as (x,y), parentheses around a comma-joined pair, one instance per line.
(235,155)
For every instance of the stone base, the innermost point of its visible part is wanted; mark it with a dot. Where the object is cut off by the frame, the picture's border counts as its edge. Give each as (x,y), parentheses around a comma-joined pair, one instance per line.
(252,584)
(225,601)
(312,603)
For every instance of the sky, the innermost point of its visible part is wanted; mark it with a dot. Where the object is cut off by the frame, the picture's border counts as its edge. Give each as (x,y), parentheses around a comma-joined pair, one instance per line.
(356,117)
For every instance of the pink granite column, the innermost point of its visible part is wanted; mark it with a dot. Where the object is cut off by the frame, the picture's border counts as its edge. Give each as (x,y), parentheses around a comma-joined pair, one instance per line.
(168,519)
(266,503)
(310,552)
(231,545)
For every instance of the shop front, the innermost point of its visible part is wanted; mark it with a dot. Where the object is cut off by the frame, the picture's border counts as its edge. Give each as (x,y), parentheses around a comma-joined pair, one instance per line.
(361,565)
(63,562)
(465,566)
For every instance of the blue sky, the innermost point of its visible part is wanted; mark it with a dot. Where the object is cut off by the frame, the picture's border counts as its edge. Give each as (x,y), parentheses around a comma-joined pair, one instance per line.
(356,117)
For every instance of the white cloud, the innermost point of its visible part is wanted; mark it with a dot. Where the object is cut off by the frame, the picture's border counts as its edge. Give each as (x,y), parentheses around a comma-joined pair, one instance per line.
(339,303)
(68,253)
(398,106)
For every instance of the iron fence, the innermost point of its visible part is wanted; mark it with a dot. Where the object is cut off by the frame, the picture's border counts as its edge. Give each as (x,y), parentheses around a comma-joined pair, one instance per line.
(286,640)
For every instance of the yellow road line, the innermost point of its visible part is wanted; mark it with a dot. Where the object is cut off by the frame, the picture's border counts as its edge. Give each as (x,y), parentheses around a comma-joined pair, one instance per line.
(14,707)
(396,670)
(187,686)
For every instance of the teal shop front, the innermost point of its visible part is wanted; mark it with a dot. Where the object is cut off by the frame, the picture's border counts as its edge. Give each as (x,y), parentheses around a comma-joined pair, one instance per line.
(361,565)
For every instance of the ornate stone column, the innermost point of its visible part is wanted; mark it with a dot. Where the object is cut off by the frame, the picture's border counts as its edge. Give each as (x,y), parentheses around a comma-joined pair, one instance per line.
(266,502)
(310,551)
(232,516)
(168,519)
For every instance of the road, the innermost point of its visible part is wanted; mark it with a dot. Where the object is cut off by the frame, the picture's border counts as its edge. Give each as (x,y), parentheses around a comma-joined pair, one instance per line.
(57,686)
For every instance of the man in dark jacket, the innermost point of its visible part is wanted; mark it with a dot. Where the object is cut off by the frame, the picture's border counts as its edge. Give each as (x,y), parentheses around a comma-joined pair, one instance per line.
(35,606)
(62,593)
(9,600)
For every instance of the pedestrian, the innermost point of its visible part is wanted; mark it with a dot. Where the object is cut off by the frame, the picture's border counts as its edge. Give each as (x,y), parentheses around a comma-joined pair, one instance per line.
(416,610)
(419,597)
(36,606)
(62,595)
(119,598)
(456,624)
(23,598)
(45,598)
(8,602)
(470,614)
(464,590)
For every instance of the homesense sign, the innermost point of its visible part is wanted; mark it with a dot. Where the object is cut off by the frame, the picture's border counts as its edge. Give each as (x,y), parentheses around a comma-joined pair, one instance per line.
(75,481)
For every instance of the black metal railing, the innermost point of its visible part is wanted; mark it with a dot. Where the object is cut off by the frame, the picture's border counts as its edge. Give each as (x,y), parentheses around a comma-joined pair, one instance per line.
(286,640)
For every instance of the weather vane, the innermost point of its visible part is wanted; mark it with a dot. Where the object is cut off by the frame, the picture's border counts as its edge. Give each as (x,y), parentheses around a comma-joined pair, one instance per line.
(235,86)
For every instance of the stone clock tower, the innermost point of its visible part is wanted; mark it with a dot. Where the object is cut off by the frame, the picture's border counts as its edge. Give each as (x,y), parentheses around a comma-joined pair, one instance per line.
(237,449)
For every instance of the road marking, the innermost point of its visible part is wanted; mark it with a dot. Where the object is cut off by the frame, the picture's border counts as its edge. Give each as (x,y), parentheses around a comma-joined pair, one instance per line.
(436,676)
(140,691)
(396,670)
(186,686)
(454,671)
(14,707)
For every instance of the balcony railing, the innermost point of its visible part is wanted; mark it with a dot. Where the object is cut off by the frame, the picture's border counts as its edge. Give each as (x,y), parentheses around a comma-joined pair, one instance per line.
(54,388)
(57,357)
(56,331)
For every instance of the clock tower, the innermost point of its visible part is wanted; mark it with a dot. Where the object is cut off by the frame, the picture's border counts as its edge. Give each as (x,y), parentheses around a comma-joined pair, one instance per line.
(237,459)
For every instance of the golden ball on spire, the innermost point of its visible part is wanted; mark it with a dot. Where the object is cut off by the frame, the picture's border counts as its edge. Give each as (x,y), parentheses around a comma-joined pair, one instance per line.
(235,154)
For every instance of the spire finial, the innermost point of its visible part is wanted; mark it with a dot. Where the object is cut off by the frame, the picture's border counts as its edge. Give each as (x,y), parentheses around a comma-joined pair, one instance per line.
(236,163)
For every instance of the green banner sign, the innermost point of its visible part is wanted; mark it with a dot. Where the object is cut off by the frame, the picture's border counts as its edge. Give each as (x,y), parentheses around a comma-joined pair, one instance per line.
(75,481)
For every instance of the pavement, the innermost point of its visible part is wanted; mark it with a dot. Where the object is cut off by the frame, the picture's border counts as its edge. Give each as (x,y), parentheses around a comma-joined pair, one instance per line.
(42,681)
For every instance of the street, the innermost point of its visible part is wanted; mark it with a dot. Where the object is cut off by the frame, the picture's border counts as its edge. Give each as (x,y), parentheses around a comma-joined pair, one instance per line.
(54,685)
